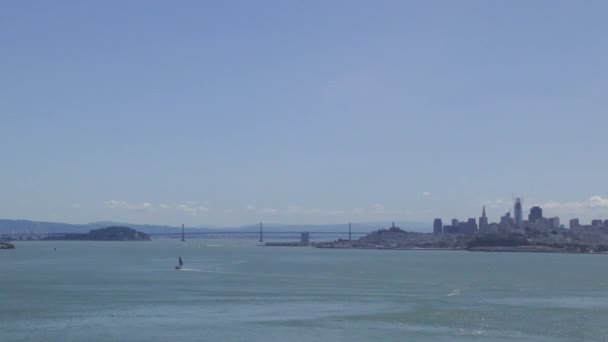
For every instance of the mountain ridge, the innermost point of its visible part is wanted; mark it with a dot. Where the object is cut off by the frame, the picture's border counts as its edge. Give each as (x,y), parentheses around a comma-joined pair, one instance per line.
(8,226)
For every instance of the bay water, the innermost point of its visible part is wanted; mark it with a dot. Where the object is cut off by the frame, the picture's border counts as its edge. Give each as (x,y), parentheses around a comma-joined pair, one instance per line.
(233,290)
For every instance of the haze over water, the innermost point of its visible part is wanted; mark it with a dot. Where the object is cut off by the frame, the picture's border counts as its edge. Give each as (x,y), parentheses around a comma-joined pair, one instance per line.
(232,290)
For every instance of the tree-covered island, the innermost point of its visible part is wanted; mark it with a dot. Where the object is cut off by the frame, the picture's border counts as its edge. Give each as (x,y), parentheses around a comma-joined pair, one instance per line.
(104,234)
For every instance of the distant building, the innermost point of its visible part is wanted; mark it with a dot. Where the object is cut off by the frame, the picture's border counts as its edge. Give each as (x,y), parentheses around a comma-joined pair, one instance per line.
(469,227)
(597,223)
(606,223)
(543,222)
(506,223)
(554,223)
(506,218)
(483,221)
(493,228)
(305,238)
(536,213)
(450,229)
(472,225)
(437,226)
(518,211)
(574,223)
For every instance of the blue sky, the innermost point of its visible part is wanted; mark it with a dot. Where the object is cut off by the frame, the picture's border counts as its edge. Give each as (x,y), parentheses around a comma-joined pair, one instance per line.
(224,113)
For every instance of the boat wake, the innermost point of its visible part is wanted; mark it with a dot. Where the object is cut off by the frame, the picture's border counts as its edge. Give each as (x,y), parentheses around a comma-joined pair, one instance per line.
(190,269)
(454,293)
(210,271)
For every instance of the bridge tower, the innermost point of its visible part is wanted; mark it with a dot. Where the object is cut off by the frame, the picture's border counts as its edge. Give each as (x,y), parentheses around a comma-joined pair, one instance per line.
(261,233)
(349,233)
(183,238)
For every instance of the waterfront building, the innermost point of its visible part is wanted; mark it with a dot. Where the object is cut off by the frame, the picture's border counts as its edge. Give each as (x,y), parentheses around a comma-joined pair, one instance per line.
(455,222)
(437,226)
(597,223)
(536,213)
(518,211)
(574,223)
(483,220)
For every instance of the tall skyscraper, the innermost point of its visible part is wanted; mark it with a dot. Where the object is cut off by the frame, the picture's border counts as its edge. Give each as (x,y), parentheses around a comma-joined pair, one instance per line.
(437,226)
(517,211)
(536,213)
(483,220)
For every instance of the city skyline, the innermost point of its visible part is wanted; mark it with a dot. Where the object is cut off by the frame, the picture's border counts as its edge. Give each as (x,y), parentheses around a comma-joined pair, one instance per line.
(196,214)
(317,112)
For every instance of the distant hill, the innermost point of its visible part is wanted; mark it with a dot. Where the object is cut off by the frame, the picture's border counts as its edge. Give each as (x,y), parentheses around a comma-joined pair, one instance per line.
(27,226)
(105,234)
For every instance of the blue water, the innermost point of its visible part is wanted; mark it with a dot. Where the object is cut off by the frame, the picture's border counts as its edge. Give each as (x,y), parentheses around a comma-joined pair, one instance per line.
(232,290)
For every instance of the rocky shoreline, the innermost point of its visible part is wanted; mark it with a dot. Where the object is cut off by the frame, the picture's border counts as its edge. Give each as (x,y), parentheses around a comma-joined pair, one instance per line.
(6,245)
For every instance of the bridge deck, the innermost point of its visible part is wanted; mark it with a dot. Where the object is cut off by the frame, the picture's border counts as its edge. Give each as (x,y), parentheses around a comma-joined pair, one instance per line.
(254,233)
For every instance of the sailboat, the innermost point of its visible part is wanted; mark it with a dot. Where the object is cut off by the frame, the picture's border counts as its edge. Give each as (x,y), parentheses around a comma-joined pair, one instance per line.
(181,263)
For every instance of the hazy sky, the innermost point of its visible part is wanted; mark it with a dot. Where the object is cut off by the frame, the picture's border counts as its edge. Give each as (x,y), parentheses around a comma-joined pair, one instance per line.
(232,112)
